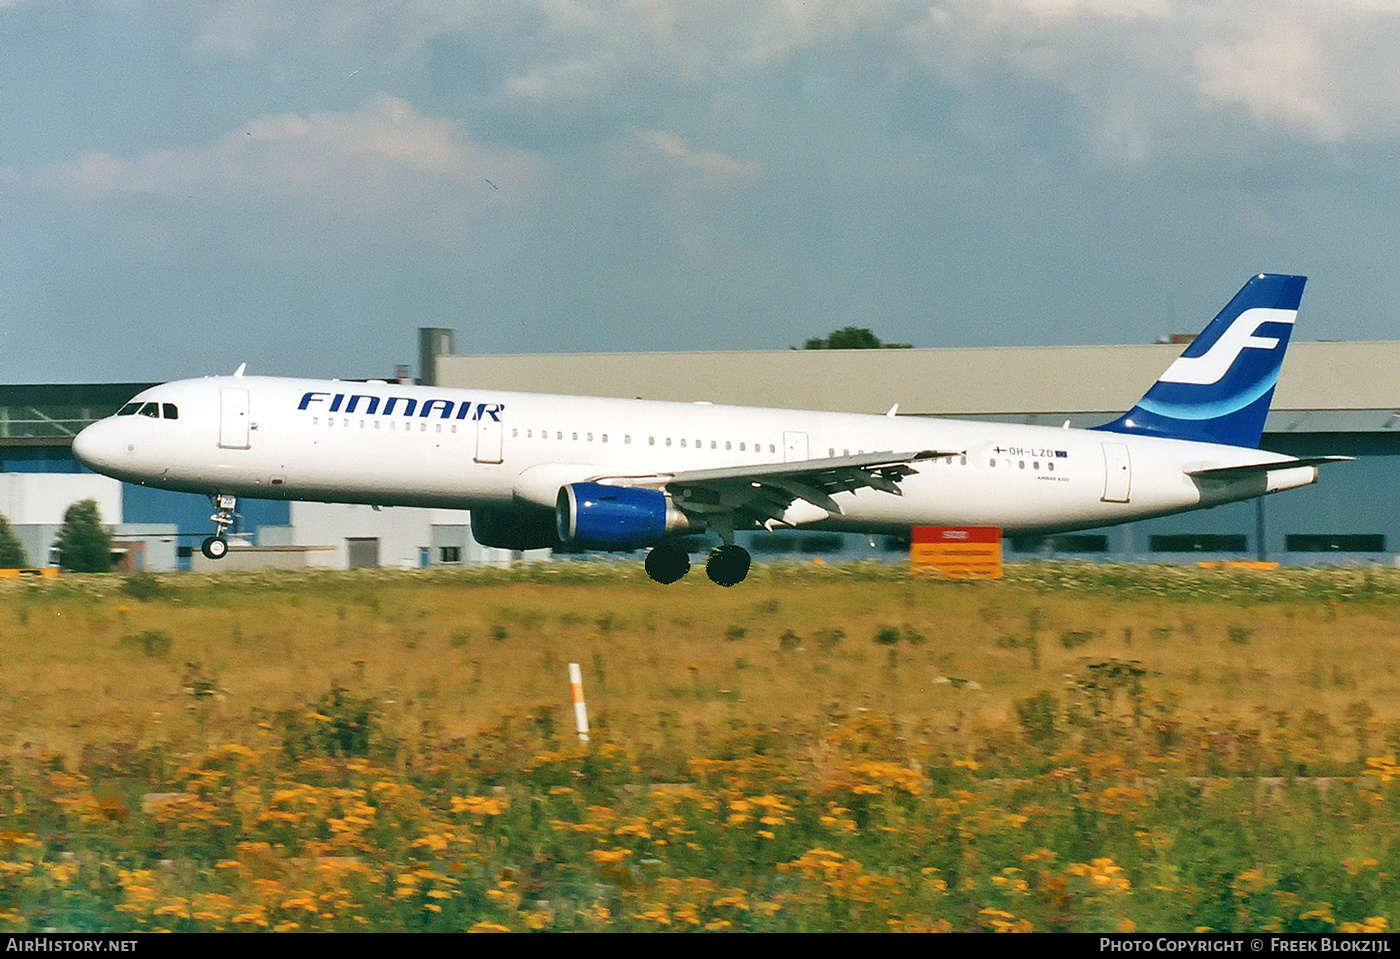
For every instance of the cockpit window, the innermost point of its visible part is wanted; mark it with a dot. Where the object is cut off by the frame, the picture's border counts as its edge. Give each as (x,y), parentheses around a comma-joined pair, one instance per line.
(156,411)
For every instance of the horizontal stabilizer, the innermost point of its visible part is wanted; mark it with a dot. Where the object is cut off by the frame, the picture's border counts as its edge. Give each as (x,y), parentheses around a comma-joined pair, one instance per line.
(1236,472)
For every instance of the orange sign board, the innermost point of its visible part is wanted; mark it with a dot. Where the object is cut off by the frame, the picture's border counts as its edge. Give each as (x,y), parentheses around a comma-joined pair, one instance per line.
(47,572)
(962,552)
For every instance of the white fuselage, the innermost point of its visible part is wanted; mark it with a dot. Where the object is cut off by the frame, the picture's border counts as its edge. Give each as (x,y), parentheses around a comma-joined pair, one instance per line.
(405,445)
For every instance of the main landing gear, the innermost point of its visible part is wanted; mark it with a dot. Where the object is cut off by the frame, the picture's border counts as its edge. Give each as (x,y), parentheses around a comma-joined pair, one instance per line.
(216,546)
(727,565)
(667,563)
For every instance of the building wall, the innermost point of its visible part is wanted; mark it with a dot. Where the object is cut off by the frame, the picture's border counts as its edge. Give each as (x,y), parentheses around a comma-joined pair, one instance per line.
(38,498)
(408,537)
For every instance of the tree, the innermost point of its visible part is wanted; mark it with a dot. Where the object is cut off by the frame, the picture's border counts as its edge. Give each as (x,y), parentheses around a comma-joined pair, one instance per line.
(851,338)
(84,545)
(11,550)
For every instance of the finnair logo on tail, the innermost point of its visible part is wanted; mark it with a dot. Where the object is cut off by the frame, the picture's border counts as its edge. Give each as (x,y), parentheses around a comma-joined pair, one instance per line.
(1212,365)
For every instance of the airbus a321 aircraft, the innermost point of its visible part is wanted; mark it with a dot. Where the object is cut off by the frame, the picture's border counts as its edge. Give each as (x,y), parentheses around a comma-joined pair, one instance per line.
(621,474)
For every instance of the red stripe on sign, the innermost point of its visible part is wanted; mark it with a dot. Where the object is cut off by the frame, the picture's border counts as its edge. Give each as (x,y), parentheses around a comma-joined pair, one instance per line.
(956,534)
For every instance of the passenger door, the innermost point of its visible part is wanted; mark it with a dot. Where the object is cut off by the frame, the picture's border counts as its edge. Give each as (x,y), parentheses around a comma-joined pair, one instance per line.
(233,418)
(1118,473)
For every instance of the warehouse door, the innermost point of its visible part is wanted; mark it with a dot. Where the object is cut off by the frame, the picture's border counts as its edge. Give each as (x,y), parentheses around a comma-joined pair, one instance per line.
(362,552)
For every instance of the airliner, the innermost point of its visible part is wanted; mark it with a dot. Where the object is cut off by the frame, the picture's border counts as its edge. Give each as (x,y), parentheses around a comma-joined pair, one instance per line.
(592,473)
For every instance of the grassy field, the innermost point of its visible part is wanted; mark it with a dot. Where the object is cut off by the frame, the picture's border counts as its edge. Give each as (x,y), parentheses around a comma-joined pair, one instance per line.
(1076,747)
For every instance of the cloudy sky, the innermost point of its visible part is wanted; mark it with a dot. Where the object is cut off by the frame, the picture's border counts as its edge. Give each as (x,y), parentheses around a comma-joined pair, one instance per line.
(186,185)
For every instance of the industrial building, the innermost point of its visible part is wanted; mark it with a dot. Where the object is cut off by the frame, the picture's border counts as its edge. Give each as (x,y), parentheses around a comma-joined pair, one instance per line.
(1317,410)
(1345,518)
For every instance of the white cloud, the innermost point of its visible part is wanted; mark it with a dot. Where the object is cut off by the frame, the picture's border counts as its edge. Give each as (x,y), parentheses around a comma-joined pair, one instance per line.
(712,168)
(1155,76)
(344,157)
(1280,76)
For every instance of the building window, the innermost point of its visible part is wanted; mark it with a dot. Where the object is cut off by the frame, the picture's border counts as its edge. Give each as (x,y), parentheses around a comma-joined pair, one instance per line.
(450,554)
(1061,543)
(1335,542)
(1199,543)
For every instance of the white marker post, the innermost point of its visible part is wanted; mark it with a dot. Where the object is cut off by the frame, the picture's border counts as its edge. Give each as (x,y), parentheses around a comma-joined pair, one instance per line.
(580,710)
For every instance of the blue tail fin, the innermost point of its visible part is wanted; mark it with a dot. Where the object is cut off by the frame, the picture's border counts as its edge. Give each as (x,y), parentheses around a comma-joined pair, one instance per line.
(1219,389)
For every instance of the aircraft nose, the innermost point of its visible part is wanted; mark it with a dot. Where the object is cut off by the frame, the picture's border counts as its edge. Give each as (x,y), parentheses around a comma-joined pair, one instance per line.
(96,446)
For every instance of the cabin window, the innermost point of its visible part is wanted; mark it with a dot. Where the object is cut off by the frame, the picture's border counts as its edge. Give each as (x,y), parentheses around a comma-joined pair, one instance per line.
(728,445)
(590,437)
(682,442)
(150,409)
(651,440)
(605,437)
(129,409)
(742,448)
(668,441)
(169,411)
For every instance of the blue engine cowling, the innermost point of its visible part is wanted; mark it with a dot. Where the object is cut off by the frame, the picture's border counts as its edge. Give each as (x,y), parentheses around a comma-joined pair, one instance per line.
(594,516)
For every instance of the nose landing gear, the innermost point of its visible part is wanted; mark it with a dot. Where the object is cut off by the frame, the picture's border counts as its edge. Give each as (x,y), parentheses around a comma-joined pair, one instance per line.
(216,546)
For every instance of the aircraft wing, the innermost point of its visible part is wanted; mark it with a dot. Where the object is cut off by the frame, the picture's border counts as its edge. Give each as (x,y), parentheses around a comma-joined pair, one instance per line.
(763,493)
(1237,472)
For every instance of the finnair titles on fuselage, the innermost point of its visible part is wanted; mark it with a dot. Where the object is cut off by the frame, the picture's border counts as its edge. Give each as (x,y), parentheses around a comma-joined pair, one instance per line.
(617,474)
(405,405)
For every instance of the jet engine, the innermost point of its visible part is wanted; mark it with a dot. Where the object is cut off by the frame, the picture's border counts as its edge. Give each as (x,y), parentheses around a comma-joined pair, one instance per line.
(594,516)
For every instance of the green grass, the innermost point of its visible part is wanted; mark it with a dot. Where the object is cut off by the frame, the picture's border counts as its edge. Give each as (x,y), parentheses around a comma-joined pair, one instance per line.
(1075,747)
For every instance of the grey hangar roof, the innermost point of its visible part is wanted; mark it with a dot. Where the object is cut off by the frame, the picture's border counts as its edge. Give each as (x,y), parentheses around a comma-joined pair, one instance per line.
(1325,387)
